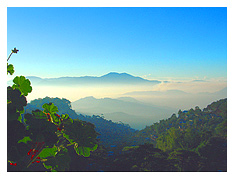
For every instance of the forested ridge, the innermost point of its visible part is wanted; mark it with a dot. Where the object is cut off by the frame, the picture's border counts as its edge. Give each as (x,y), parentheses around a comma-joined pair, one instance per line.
(192,140)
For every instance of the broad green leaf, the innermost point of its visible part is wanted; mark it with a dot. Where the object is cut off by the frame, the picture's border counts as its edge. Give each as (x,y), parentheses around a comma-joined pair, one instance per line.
(84,136)
(61,161)
(48,152)
(23,84)
(50,108)
(85,151)
(55,118)
(10,69)
(25,140)
(82,151)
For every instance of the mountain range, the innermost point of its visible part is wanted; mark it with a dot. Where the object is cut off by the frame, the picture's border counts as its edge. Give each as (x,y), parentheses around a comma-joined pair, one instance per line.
(177,98)
(125,109)
(110,78)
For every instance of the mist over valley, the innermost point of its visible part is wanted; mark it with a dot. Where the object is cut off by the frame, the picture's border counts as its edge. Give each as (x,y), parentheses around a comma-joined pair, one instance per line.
(122,97)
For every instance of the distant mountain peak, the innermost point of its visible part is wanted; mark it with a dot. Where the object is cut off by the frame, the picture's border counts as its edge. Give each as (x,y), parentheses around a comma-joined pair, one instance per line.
(112,78)
(112,74)
(88,97)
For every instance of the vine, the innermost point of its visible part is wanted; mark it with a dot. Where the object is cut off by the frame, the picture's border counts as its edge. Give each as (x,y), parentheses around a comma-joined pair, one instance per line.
(42,137)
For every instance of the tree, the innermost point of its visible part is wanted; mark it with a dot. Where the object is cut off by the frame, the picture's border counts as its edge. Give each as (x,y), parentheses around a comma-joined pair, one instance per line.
(185,160)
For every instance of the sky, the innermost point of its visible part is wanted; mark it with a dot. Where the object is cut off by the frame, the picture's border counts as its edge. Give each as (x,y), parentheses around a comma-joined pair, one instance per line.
(154,43)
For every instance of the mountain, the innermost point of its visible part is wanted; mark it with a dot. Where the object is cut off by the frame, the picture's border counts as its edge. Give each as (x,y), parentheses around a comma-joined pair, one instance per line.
(111,133)
(157,93)
(108,79)
(177,98)
(127,110)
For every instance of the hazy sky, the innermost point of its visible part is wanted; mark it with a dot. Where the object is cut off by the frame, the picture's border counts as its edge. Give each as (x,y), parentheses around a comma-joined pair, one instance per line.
(155,43)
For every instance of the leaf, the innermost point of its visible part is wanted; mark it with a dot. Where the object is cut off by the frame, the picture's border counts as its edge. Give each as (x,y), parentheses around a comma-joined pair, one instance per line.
(85,151)
(20,116)
(66,117)
(23,84)
(83,135)
(60,162)
(50,108)
(10,69)
(25,140)
(55,119)
(48,152)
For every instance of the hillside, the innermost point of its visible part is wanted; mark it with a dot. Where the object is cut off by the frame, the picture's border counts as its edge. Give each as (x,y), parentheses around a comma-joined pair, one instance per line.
(195,140)
(114,136)
(125,109)
(190,127)
(111,133)
(170,98)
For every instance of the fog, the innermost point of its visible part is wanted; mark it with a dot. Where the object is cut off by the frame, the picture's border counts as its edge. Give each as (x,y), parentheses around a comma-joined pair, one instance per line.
(179,95)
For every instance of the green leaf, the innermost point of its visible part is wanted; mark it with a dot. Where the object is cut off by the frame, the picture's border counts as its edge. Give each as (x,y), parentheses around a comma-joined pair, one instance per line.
(66,117)
(23,84)
(85,151)
(48,152)
(60,162)
(50,108)
(10,69)
(25,140)
(20,116)
(55,119)
(83,135)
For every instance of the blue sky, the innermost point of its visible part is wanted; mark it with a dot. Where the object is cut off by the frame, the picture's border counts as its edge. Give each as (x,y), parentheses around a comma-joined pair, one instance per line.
(162,42)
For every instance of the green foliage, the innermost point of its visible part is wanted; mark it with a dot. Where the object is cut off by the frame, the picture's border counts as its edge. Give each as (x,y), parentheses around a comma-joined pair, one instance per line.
(127,148)
(55,160)
(85,151)
(83,135)
(189,129)
(214,153)
(48,152)
(41,130)
(64,106)
(185,160)
(141,158)
(111,133)
(25,140)
(22,84)
(221,129)
(44,135)
(15,104)
(10,69)
(50,108)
